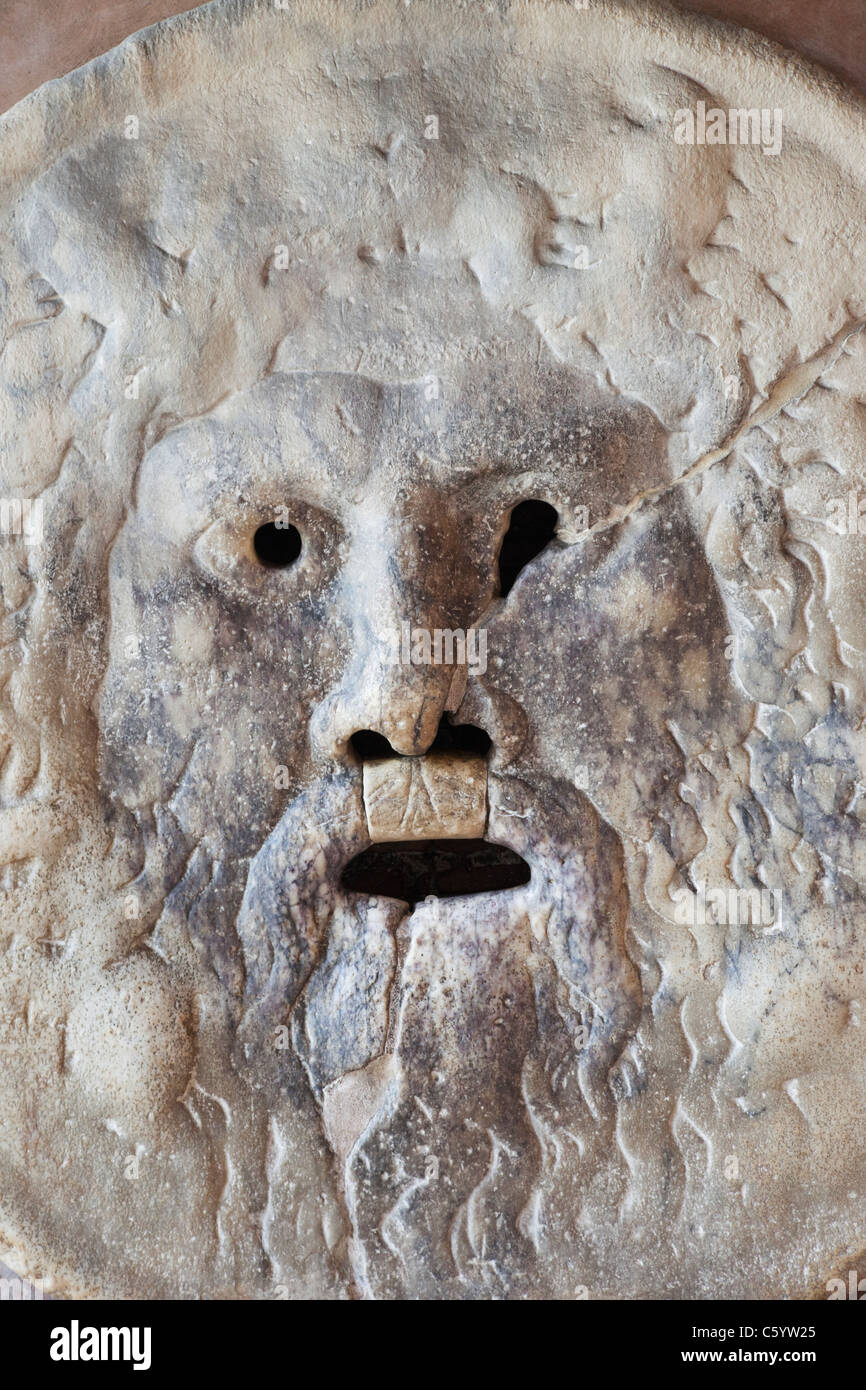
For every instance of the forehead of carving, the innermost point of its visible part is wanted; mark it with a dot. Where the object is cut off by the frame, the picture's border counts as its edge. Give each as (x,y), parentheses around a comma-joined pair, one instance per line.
(308,215)
(491,438)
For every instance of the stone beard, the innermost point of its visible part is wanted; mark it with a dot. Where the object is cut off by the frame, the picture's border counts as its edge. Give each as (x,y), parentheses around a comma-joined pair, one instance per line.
(280,424)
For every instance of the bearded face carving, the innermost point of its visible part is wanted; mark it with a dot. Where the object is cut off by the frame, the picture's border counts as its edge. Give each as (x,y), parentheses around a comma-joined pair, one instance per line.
(435,646)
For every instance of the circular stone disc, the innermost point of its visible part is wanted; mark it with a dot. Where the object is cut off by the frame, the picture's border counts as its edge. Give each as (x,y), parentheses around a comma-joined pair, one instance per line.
(379,273)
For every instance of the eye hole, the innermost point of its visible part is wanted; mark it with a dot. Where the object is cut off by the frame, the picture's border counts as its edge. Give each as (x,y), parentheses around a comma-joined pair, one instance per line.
(531,528)
(277,546)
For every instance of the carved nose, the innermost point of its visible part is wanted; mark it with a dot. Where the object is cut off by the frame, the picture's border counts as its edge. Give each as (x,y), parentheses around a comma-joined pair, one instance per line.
(412,707)
(403,709)
(405,577)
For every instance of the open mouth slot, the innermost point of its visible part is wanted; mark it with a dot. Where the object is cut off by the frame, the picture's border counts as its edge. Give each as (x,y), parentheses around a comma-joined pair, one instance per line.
(412,870)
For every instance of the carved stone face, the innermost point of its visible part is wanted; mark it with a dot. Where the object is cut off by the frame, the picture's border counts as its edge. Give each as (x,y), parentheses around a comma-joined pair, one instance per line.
(283,636)
(401,502)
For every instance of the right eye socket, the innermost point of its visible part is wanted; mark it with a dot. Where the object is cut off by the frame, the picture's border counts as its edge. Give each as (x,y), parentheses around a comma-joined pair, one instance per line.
(277,545)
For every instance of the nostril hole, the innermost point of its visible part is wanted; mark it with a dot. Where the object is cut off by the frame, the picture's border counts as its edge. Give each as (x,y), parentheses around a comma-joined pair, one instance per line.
(450,738)
(277,546)
(460,738)
(367,744)
(531,528)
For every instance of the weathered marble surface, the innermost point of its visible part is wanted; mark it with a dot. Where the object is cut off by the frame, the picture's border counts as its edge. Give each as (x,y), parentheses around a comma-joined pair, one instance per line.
(245,269)
(440,796)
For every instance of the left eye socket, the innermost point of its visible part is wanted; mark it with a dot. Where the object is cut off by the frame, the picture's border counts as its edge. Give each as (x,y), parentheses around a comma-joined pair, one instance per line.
(277,546)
